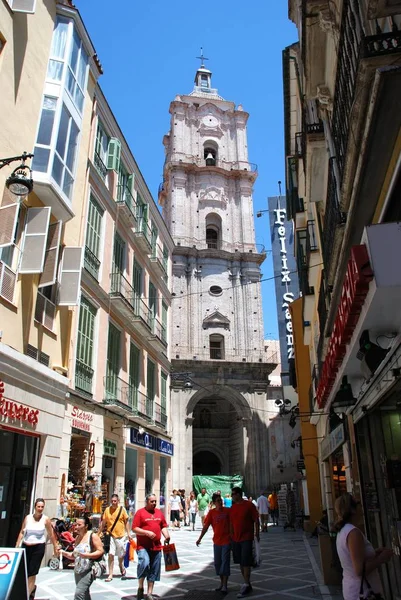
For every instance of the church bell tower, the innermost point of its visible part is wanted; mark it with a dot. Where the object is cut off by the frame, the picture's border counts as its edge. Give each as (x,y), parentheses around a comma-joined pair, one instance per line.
(220,370)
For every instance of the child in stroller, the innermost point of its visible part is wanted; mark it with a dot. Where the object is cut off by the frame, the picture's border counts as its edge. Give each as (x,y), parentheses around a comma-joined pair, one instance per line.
(65,538)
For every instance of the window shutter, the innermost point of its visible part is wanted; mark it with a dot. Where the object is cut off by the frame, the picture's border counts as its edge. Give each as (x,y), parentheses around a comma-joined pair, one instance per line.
(8,224)
(70,277)
(23,6)
(48,276)
(35,238)
(114,155)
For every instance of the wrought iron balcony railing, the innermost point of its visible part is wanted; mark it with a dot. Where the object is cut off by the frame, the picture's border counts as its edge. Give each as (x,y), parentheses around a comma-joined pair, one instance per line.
(322,306)
(100,166)
(121,287)
(83,377)
(223,245)
(124,196)
(333,217)
(91,263)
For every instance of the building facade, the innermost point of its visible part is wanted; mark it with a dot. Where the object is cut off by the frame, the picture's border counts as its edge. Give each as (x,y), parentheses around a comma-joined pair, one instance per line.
(220,370)
(85,270)
(343,156)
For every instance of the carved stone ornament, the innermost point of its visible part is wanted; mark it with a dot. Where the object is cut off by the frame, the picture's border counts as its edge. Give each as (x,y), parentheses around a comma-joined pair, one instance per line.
(327,20)
(213,196)
(324,97)
(216,319)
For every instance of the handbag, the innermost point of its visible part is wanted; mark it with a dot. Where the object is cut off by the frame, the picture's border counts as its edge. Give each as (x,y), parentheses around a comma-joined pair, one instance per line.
(107,535)
(256,553)
(170,557)
(98,564)
(369,594)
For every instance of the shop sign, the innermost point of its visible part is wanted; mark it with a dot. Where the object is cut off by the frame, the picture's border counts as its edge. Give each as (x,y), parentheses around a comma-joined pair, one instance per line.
(165,447)
(142,439)
(288,297)
(81,419)
(332,442)
(355,289)
(18,412)
(109,448)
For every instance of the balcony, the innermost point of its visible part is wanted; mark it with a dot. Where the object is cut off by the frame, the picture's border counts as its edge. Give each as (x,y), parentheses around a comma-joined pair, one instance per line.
(143,236)
(117,394)
(159,260)
(206,354)
(159,334)
(100,166)
(358,56)
(91,263)
(303,253)
(83,377)
(322,306)
(127,205)
(130,306)
(333,219)
(220,245)
(146,411)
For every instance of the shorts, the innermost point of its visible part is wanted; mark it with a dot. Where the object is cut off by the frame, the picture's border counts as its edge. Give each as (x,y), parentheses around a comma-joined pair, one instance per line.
(118,546)
(243,553)
(174,515)
(222,559)
(149,564)
(203,513)
(34,555)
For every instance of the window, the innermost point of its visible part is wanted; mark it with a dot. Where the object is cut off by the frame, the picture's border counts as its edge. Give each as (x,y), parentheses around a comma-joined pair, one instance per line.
(101,150)
(61,116)
(137,277)
(85,346)
(204,81)
(93,238)
(41,159)
(215,290)
(23,6)
(163,398)
(118,254)
(57,51)
(152,304)
(150,387)
(165,261)
(113,362)
(216,346)
(77,68)
(65,154)
(134,375)
(155,233)
(164,322)
(213,231)
(142,216)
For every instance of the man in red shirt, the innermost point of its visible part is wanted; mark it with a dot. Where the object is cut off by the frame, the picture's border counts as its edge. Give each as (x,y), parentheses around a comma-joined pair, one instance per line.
(219,519)
(149,524)
(244,520)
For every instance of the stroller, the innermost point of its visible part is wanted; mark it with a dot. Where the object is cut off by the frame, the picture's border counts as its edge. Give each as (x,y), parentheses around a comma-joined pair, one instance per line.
(66,540)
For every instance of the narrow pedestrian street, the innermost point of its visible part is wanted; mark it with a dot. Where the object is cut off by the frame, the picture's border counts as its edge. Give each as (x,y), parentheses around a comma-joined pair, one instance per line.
(288,570)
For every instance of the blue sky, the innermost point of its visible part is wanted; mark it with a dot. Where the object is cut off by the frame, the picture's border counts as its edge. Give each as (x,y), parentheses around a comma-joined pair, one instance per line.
(148,54)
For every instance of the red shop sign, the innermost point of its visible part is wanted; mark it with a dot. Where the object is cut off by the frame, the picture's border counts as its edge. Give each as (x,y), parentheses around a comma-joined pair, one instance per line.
(81,419)
(355,288)
(19,412)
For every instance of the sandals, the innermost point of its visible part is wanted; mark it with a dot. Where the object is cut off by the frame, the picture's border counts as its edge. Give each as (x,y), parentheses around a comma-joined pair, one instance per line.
(123,572)
(108,579)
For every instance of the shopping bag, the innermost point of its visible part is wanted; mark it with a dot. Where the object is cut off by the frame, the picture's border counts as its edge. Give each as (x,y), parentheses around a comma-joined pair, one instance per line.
(170,557)
(257,559)
(132,548)
(126,555)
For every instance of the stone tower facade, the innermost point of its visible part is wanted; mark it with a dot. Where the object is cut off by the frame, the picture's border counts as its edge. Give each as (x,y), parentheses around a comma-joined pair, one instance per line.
(220,370)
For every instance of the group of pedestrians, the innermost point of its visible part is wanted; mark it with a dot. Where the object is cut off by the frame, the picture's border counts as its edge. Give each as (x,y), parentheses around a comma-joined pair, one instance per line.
(234,529)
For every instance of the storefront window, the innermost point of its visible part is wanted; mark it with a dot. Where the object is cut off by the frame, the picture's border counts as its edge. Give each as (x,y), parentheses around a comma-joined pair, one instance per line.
(163,481)
(149,477)
(131,475)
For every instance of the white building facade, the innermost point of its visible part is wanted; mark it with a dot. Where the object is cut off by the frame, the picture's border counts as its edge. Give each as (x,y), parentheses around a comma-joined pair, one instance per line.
(220,370)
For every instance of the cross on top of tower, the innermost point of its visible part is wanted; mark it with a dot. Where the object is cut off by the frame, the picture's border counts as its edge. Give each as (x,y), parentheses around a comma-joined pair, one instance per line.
(202,58)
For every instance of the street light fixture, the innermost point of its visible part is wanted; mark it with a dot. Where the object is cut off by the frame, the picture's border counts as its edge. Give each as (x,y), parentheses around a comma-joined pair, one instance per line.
(20,182)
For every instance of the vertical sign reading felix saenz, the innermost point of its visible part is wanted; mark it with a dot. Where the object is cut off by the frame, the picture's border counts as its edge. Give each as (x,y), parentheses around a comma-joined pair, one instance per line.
(285,279)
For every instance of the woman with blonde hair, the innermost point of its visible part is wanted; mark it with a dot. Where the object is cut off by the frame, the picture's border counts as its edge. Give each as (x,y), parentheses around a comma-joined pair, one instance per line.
(358,558)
